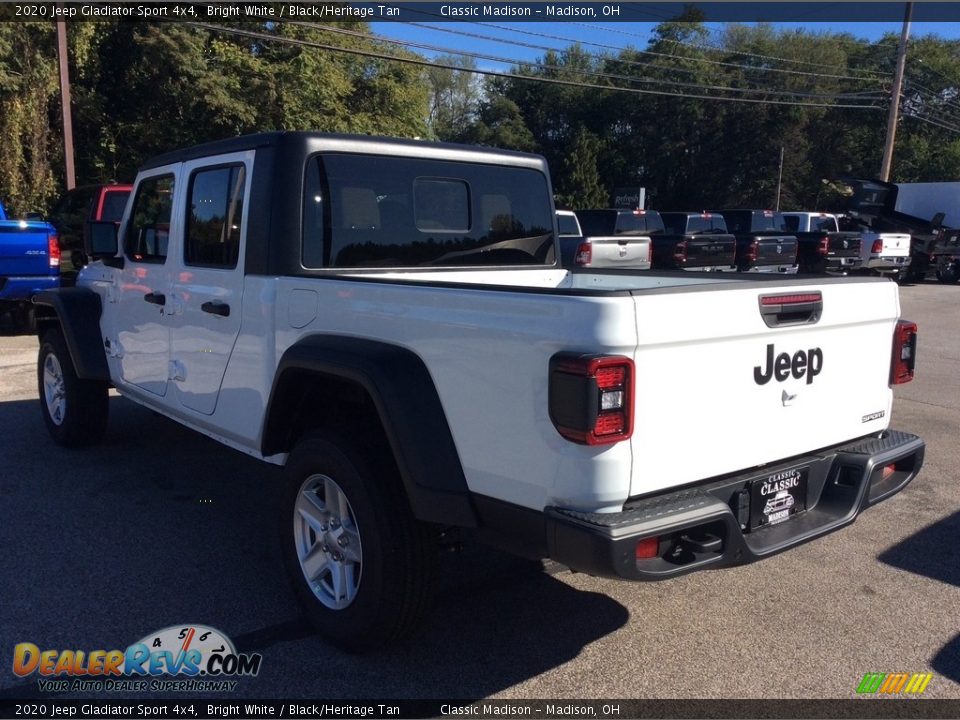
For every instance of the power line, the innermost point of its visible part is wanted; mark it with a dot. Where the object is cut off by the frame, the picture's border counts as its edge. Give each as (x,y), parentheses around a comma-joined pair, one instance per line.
(874,74)
(513,76)
(934,96)
(930,121)
(563,68)
(653,53)
(667,68)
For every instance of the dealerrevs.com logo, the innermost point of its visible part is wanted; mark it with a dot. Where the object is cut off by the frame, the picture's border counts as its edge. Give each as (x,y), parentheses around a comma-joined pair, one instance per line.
(178,658)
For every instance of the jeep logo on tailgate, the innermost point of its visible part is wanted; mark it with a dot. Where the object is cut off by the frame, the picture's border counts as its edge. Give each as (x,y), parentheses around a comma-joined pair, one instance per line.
(802,363)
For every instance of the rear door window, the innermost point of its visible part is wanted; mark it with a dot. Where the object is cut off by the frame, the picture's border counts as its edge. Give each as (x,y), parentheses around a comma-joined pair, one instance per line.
(214,217)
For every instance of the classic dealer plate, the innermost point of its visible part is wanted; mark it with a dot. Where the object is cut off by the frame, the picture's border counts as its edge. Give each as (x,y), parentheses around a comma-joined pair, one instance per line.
(777,497)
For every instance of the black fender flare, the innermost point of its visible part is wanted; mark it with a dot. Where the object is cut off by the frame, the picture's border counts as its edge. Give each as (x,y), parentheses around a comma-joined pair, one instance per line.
(78,311)
(409,408)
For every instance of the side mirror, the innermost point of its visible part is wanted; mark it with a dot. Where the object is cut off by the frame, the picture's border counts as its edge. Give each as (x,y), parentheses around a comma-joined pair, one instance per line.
(100,240)
(34,217)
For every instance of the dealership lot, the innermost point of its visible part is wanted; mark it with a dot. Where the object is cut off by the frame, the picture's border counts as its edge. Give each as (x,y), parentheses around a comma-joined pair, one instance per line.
(160,526)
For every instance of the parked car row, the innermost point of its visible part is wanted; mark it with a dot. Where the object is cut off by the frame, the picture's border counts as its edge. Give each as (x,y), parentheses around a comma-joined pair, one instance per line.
(739,240)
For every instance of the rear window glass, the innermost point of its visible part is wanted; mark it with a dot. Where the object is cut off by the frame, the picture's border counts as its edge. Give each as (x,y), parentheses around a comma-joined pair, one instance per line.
(768,221)
(637,224)
(568,225)
(712,224)
(613,222)
(114,202)
(823,224)
(744,221)
(378,211)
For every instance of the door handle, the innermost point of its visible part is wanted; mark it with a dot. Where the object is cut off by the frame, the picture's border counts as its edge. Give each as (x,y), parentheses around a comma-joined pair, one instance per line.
(155,298)
(216,307)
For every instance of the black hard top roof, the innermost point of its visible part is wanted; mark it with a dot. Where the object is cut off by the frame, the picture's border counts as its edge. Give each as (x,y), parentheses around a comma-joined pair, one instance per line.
(269,139)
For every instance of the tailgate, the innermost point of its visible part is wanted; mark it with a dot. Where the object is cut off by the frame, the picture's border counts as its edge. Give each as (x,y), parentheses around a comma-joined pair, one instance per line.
(713,395)
(843,244)
(895,245)
(777,250)
(620,251)
(709,250)
(23,251)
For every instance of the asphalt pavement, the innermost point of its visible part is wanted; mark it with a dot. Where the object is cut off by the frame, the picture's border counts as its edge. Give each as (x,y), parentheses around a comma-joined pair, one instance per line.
(159,526)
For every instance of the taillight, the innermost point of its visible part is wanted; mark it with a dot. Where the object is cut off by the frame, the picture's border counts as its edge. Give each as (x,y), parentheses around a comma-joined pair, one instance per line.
(584,254)
(877,247)
(591,397)
(680,252)
(752,250)
(904,352)
(53,250)
(824,245)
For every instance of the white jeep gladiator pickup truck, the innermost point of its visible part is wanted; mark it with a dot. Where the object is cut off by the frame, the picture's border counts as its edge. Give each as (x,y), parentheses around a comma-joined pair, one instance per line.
(387,321)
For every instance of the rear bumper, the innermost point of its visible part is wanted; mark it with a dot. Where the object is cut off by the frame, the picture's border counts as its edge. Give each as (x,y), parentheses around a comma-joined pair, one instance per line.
(24,288)
(782,269)
(711,268)
(703,527)
(888,264)
(843,264)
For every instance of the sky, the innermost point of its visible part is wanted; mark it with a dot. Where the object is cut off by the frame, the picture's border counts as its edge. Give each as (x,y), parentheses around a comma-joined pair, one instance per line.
(516,37)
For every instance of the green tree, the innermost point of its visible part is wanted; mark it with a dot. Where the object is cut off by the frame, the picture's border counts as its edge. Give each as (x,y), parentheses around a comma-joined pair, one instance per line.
(29,98)
(579,184)
(454,96)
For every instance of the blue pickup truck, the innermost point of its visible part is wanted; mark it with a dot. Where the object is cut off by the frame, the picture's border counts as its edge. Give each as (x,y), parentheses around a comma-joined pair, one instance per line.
(29,263)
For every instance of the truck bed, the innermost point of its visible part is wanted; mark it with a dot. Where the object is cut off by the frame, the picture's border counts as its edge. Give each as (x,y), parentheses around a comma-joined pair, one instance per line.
(695,357)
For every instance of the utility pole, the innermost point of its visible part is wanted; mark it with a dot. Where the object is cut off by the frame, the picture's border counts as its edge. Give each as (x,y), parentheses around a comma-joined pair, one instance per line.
(779,179)
(895,97)
(65,101)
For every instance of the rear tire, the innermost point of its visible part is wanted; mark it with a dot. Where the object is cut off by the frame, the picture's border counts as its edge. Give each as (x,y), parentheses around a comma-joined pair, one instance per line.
(949,274)
(360,564)
(75,411)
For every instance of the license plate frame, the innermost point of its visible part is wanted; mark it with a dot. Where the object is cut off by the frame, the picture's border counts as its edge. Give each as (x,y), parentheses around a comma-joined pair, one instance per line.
(778,497)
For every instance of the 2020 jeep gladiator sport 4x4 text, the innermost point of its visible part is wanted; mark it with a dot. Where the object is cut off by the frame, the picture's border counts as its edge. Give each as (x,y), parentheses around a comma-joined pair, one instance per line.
(387,321)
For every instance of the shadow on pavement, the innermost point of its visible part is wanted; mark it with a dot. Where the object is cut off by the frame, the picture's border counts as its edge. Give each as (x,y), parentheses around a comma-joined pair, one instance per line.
(930,552)
(947,661)
(160,526)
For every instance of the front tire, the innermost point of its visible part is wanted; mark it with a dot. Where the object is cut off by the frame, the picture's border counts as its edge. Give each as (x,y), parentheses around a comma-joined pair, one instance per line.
(74,410)
(361,565)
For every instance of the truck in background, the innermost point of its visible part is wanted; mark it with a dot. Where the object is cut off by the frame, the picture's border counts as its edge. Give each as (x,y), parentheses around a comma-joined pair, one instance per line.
(821,246)
(76,208)
(763,242)
(883,208)
(606,238)
(29,264)
(694,241)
